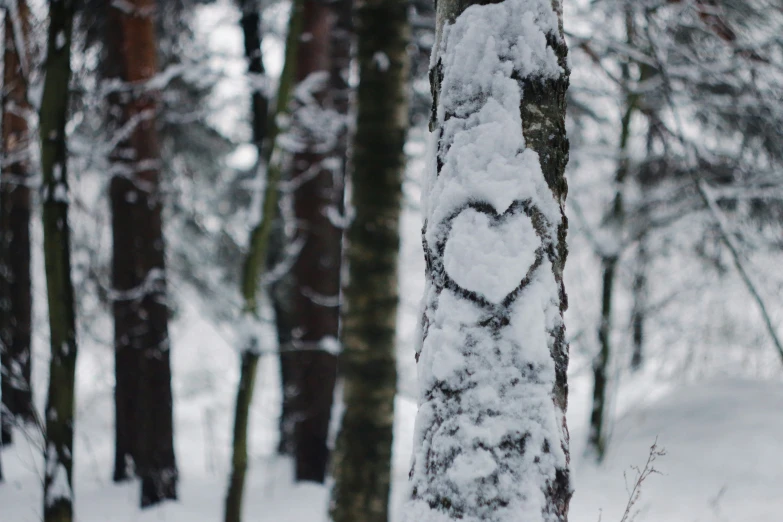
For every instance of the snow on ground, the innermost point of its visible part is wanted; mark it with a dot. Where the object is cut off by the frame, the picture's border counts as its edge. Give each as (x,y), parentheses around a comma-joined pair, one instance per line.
(723,462)
(724,457)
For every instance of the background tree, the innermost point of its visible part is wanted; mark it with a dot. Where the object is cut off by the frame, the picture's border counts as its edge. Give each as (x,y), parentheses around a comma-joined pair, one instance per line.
(307,300)
(362,460)
(667,54)
(270,165)
(60,404)
(144,417)
(15,180)
(491,441)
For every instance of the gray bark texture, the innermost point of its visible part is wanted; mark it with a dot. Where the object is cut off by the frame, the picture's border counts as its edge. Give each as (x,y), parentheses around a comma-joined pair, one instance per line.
(362,459)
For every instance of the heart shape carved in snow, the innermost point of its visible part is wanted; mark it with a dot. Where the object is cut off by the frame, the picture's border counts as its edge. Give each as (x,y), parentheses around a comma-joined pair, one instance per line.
(487,257)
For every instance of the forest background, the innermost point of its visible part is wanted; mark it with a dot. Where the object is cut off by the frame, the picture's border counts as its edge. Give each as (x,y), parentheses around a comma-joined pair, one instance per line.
(675,188)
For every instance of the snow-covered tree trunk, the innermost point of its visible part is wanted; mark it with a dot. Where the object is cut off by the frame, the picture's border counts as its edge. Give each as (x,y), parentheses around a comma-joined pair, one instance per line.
(15,283)
(60,403)
(491,442)
(143,397)
(362,458)
(309,296)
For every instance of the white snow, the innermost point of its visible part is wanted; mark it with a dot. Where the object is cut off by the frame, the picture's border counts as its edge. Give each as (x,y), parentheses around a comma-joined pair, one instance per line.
(59,489)
(487,257)
(381,61)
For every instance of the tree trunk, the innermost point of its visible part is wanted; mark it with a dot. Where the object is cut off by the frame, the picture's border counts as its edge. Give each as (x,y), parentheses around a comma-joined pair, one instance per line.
(15,283)
(255,260)
(491,442)
(362,459)
(143,370)
(639,309)
(59,413)
(615,226)
(312,290)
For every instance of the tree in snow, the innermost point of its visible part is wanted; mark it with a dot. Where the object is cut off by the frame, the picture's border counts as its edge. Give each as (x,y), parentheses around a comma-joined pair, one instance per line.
(143,399)
(255,261)
(15,283)
(660,59)
(491,442)
(307,299)
(60,404)
(362,458)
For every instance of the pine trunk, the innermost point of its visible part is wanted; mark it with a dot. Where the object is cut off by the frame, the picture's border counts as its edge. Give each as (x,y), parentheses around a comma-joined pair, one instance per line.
(15,283)
(256,258)
(362,459)
(491,442)
(59,413)
(143,398)
(308,316)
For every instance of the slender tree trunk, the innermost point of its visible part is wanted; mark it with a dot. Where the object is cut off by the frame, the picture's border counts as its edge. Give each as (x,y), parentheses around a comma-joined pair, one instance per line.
(491,442)
(362,460)
(615,225)
(15,283)
(143,388)
(639,309)
(59,413)
(254,263)
(312,290)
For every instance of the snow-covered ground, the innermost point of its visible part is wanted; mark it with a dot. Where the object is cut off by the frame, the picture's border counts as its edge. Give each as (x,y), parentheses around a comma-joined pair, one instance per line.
(724,458)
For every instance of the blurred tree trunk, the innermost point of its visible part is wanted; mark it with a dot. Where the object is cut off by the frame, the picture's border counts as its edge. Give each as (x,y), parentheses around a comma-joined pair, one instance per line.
(639,307)
(143,396)
(15,283)
(60,404)
(362,459)
(491,440)
(308,298)
(615,227)
(257,255)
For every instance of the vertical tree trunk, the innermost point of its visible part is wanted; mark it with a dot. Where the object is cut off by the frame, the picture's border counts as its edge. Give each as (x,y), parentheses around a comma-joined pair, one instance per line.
(491,441)
(312,290)
(362,459)
(15,283)
(255,260)
(615,225)
(639,309)
(143,388)
(59,413)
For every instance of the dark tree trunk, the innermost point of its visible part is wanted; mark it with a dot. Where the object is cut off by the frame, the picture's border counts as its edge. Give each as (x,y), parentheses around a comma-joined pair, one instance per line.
(308,317)
(60,404)
(362,459)
(254,263)
(15,283)
(143,388)
(251,30)
(639,310)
